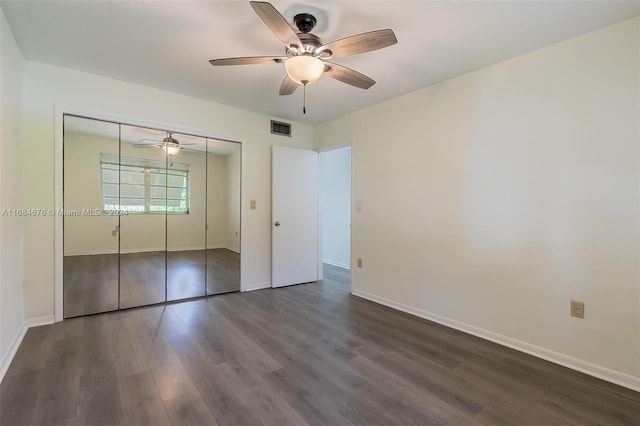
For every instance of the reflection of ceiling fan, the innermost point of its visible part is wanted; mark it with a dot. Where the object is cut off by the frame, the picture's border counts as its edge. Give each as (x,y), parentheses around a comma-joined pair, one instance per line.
(169,145)
(307,56)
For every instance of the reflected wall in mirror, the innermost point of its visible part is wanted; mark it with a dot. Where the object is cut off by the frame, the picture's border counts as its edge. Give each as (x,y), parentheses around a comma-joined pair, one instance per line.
(168,226)
(223,217)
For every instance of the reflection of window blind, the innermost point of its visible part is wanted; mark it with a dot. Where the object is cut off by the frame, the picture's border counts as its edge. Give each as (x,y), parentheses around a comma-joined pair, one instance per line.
(141,185)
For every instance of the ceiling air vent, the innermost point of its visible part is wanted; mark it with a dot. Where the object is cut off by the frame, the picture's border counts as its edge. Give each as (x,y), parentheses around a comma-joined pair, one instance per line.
(282,129)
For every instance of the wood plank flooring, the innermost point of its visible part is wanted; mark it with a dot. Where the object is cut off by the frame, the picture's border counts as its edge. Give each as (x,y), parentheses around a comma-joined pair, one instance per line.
(310,354)
(91,282)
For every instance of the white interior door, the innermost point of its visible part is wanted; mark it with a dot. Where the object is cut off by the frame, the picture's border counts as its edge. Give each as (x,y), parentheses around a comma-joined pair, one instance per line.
(294,216)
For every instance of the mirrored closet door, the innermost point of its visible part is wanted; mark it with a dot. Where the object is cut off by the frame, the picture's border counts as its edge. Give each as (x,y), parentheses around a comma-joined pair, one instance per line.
(150,216)
(186,220)
(142,223)
(90,239)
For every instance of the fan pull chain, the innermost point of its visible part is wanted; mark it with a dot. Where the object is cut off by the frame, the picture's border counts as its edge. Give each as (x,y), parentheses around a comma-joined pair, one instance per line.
(304,99)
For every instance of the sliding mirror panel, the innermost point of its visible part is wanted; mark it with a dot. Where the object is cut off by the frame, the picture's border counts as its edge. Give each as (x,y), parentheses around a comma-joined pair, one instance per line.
(149,216)
(143,181)
(90,204)
(186,218)
(223,216)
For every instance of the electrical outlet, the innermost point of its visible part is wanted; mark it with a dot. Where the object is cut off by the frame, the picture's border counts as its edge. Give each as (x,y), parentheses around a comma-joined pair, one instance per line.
(577,309)
(359,261)
(253,204)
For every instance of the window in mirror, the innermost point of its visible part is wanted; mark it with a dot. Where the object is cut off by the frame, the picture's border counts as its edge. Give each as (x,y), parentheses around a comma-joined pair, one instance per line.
(145,186)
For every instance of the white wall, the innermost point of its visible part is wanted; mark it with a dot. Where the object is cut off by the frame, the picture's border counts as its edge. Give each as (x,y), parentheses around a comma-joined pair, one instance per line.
(491,200)
(144,232)
(11,228)
(335,203)
(218,196)
(224,201)
(46,86)
(83,190)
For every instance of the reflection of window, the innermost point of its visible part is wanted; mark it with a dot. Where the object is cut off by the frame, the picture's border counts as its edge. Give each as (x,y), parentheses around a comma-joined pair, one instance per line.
(145,186)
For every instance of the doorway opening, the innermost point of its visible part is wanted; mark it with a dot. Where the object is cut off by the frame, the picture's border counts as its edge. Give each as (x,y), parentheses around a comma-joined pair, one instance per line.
(335,216)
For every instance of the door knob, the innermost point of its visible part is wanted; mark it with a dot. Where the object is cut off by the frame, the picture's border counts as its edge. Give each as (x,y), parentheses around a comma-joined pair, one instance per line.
(276,223)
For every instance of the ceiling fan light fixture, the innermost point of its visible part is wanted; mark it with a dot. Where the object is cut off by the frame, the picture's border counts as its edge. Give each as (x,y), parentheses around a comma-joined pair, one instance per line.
(170,148)
(304,69)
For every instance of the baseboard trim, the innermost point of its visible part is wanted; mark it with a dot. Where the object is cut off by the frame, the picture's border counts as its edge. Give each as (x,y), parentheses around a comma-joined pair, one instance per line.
(192,248)
(91,253)
(148,250)
(17,340)
(582,366)
(13,348)
(97,253)
(338,264)
(258,286)
(41,320)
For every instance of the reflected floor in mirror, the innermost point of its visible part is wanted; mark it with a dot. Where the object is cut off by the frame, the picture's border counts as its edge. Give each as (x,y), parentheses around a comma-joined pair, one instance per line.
(91,282)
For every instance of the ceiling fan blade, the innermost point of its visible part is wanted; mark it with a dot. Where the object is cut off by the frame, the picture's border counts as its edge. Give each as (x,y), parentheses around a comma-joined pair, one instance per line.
(359,43)
(347,75)
(250,60)
(144,145)
(288,86)
(276,23)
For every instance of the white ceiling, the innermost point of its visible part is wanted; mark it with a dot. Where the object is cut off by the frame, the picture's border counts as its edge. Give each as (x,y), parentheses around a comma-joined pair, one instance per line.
(167,44)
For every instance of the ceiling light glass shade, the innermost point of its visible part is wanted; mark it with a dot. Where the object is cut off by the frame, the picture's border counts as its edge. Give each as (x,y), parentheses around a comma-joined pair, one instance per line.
(170,148)
(304,69)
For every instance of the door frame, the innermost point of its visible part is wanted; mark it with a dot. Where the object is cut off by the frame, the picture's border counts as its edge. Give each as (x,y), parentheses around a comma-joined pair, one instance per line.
(58,238)
(344,144)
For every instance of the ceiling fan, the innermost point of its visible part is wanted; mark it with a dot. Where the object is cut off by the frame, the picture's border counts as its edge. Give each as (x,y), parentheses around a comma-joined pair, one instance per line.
(307,57)
(169,144)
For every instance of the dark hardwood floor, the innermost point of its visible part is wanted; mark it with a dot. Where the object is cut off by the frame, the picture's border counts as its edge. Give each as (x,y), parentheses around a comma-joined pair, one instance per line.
(91,282)
(308,354)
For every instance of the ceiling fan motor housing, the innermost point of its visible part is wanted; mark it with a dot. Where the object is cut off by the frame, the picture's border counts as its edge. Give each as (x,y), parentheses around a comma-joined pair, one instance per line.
(305,22)
(310,45)
(170,140)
